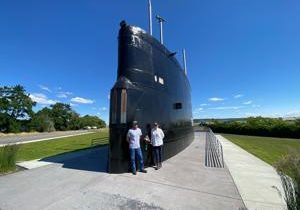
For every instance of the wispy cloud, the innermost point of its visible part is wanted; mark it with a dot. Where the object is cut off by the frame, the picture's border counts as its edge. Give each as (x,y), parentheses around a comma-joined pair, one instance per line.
(255,105)
(71,104)
(216,99)
(249,114)
(41,99)
(81,100)
(103,108)
(43,87)
(247,102)
(238,96)
(198,110)
(63,94)
(204,104)
(293,113)
(226,107)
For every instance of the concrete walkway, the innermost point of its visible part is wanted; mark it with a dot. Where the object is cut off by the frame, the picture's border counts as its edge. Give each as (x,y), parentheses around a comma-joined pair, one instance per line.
(81,183)
(257,181)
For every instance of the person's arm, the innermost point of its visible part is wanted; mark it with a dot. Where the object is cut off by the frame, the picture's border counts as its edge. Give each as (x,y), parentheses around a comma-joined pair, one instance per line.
(127,137)
(141,134)
(151,140)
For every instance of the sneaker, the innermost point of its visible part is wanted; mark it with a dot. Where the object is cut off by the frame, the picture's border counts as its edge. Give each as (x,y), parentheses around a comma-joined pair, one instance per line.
(143,171)
(134,172)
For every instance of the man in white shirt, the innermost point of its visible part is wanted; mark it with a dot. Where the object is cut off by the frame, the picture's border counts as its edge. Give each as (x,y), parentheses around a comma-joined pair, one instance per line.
(133,138)
(157,136)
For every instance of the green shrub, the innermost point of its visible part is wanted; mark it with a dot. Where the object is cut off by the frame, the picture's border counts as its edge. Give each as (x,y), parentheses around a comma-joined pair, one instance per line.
(288,169)
(8,156)
(258,126)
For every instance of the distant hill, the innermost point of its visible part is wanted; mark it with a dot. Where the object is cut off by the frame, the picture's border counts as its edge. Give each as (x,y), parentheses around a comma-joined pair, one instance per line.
(205,120)
(221,120)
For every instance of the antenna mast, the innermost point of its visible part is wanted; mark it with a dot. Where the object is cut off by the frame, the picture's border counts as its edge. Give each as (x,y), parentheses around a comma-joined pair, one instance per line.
(150,16)
(160,21)
(184,61)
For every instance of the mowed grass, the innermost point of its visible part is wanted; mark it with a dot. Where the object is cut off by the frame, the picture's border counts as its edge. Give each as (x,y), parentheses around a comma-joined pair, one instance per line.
(269,149)
(42,149)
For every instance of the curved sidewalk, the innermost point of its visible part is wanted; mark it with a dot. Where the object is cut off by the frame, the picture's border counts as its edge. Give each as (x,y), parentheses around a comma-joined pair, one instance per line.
(257,181)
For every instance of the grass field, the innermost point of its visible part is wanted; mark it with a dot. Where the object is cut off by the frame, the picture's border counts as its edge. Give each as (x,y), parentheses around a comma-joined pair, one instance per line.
(49,148)
(269,149)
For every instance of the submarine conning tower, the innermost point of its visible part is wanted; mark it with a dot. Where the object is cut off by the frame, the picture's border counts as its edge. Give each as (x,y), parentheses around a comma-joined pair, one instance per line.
(151,86)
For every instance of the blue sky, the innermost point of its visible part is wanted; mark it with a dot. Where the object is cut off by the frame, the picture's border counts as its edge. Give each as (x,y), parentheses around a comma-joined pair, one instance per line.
(243,56)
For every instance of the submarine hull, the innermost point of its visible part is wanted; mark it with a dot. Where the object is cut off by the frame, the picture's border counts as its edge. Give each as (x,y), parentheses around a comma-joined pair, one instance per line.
(151,87)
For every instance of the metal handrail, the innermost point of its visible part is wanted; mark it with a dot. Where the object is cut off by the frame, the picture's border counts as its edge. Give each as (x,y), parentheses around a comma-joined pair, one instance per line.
(214,151)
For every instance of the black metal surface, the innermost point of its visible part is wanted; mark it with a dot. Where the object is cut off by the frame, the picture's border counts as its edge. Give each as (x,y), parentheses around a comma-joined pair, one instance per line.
(141,58)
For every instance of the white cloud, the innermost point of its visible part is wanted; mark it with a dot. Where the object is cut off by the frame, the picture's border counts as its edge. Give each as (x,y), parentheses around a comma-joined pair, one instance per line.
(198,111)
(41,99)
(247,102)
(226,107)
(255,106)
(247,114)
(103,108)
(216,99)
(82,100)
(203,104)
(238,96)
(73,104)
(43,87)
(108,96)
(63,94)
(293,113)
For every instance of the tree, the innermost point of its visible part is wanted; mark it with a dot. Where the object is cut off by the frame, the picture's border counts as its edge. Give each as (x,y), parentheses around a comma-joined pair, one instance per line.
(88,120)
(75,122)
(62,115)
(42,121)
(15,106)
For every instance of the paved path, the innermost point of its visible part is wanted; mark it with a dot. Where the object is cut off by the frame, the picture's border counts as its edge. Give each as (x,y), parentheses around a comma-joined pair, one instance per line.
(257,181)
(80,182)
(39,136)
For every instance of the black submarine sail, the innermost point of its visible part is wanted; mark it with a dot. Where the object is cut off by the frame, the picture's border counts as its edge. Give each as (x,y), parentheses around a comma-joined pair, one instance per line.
(151,87)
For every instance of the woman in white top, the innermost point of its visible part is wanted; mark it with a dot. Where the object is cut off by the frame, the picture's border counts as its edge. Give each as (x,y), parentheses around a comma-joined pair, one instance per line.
(157,136)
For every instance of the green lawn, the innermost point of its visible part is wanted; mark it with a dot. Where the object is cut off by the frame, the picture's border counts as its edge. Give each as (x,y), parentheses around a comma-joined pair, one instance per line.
(49,148)
(268,149)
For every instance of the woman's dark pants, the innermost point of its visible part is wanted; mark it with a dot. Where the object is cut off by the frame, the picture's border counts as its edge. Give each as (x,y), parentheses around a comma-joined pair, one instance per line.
(157,154)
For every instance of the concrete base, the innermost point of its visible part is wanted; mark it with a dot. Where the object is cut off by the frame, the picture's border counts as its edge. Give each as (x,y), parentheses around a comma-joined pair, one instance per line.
(82,183)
